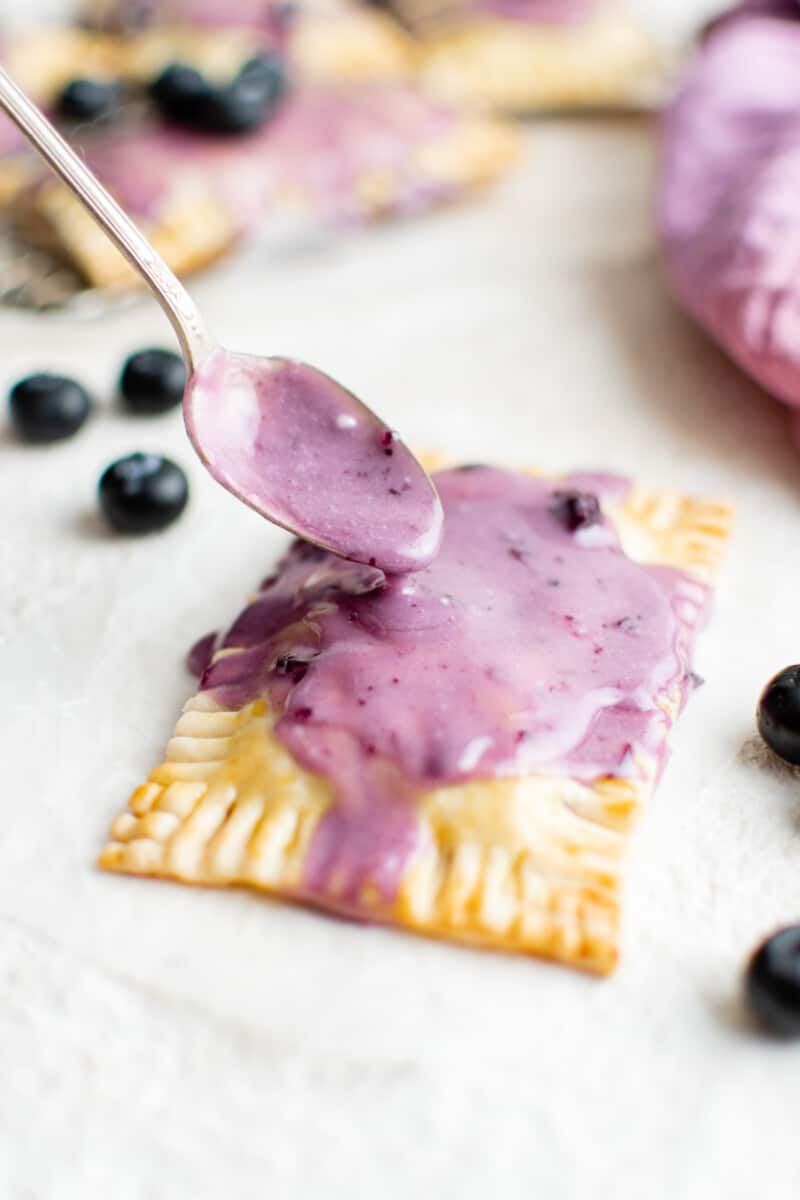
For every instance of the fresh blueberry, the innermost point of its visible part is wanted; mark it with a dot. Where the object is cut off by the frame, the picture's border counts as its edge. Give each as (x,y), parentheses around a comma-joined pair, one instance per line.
(268,73)
(576,510)
(143,493)
(181,93)
(250,98)
(186,98)
(778,714)
(89,99)
(772,983)
(152,381)
(48,408)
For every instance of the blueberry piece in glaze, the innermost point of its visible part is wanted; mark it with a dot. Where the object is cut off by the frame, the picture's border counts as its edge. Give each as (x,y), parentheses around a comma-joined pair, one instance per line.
(48,408)
(576,510)
(772,983)
(778,714)
(142,493)
(293,665)
(152,381)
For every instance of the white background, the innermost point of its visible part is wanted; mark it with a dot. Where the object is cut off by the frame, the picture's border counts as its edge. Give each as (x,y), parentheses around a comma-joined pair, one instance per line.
(162,1043)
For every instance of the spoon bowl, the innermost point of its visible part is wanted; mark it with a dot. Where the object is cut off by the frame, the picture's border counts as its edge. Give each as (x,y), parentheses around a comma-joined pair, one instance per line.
(302,450)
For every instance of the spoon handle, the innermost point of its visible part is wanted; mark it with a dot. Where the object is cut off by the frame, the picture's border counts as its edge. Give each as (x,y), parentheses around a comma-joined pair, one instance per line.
(195,341)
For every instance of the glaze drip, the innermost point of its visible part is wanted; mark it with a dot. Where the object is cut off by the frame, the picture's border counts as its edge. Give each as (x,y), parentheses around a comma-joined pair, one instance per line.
(526,646)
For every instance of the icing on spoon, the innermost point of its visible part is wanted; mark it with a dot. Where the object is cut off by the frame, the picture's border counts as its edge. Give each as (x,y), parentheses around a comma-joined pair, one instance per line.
(283,437)
(293,444)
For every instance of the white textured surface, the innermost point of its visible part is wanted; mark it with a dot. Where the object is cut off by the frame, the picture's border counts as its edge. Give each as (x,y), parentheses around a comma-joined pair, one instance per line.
(161,1043)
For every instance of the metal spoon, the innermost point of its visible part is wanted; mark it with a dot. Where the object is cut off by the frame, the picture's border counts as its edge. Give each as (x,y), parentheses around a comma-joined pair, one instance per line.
(283,437)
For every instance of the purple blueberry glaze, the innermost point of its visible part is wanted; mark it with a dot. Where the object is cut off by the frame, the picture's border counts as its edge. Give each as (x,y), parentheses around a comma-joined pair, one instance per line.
(727,195)
(486,663)
(294,445)
(576,510)
(199,657)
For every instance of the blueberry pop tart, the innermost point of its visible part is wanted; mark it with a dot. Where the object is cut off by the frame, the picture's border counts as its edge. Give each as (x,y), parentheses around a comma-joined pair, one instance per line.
(462,751)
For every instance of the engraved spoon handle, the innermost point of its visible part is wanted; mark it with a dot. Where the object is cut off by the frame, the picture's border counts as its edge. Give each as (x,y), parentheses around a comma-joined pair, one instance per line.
(195,341)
